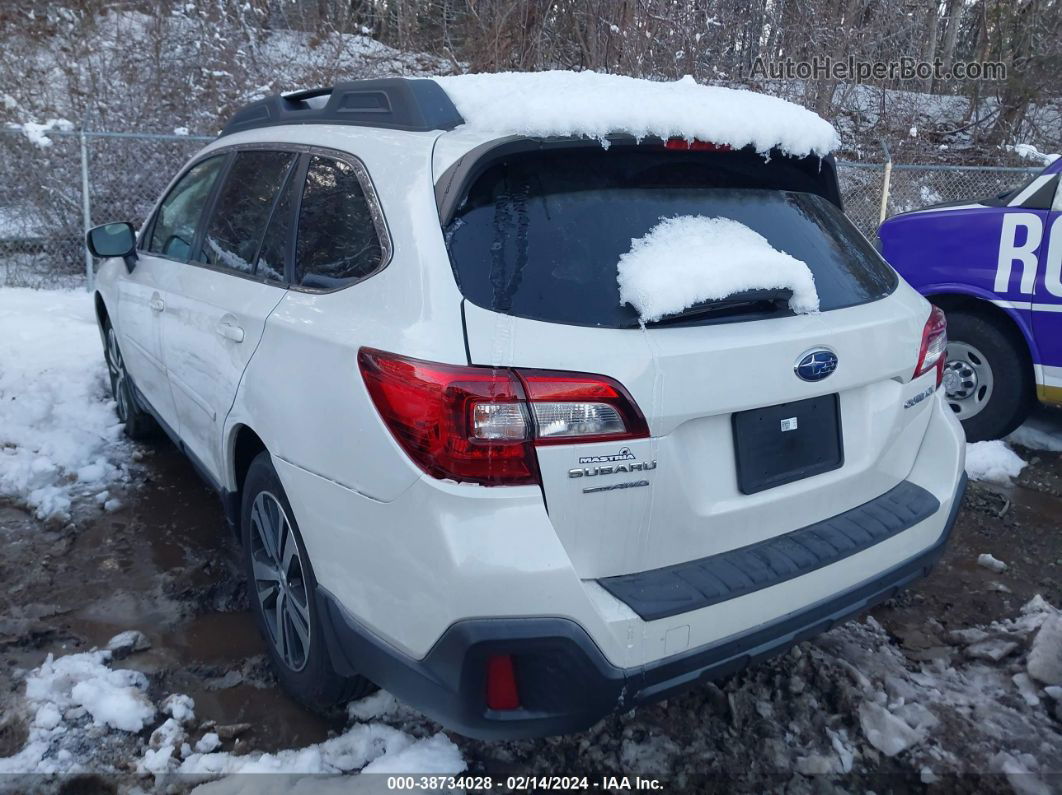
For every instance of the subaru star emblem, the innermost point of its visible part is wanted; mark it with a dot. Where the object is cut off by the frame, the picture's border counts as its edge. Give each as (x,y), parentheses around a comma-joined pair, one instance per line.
(816,364)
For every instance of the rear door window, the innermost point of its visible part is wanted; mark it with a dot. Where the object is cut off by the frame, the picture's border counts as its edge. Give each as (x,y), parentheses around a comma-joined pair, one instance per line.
(275,253)
(338,243)
(178,217)
(540,235)
(243,208)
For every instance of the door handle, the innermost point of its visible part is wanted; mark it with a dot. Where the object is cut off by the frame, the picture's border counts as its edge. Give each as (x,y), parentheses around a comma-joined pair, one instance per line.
(230,331)
(156,304)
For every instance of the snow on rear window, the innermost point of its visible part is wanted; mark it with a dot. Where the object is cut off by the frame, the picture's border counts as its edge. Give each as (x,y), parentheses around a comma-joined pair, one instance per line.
(690,259)
(560,103)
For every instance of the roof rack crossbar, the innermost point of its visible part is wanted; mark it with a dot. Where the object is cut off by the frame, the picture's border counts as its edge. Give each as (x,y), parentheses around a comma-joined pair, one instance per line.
(396,103)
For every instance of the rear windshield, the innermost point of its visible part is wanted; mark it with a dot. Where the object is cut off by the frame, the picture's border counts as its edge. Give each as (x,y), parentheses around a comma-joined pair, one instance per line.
(540,235)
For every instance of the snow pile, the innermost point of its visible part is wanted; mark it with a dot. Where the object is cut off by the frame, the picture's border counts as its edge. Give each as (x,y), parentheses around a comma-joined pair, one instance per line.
(76,690)
(990,562)
(76,704)
(992,461)
(1030,152)
(380,704)
(59,436)
(364,747)
(893,732)
(998,706)
(688,259)
(1040,432)
(113,698)
(560,103)
(36,132)
(1045,655)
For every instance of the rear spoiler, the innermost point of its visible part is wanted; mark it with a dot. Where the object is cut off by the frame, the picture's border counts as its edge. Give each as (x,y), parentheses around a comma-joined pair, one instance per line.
(811,174)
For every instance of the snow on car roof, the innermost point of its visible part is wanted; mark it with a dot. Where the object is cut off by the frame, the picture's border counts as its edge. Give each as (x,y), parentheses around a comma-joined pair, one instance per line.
(561,103)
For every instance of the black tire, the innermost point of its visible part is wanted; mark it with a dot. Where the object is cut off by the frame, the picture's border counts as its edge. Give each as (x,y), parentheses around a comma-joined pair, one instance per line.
(998,352)
(139,425)
(304,669)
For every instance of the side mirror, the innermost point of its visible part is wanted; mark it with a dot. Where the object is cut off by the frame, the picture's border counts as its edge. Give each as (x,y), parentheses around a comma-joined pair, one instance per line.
(113,240)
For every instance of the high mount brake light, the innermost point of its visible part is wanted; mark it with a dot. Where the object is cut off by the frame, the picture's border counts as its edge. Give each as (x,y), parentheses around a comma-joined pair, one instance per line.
(480,424)
(934,347)
(684,145)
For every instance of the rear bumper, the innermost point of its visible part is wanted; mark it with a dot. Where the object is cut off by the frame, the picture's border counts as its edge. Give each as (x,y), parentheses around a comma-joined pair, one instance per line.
(566,684)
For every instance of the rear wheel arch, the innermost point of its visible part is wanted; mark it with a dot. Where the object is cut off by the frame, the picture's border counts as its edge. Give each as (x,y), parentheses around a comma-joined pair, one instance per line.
(245,446)
(989,375)
(959,302)
(103,317)
(309,676)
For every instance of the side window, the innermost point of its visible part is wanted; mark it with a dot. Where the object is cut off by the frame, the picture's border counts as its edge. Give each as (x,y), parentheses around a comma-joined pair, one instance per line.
(273,256)
(243,207)
(337,241)
(178,216)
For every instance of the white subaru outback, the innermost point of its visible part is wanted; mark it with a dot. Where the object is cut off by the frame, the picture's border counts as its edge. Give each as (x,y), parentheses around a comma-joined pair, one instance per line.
(534,397)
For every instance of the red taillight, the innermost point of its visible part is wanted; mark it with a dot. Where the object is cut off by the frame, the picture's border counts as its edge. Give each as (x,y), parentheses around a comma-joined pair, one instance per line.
(932,353)
(684,145)
(432,411)
(501,683)
(479,424)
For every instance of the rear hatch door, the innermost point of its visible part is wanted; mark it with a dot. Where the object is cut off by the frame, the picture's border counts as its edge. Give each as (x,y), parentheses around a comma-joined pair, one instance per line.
(741,448)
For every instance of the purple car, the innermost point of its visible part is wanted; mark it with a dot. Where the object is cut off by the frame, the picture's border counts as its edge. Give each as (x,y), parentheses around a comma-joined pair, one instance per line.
(995,267)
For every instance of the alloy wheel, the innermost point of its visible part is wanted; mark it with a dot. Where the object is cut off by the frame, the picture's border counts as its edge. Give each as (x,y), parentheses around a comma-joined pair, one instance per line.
(116,369)
(279,581)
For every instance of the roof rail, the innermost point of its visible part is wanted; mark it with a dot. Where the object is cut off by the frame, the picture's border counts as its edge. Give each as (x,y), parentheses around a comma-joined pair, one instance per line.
(396,103)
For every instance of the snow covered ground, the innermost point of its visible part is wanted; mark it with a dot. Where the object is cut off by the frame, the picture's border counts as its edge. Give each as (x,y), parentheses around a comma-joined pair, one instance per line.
(845,704)
(59,437)
(996,461)
(72,701)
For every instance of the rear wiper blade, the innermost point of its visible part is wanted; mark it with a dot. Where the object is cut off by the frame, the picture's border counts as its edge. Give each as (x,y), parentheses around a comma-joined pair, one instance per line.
(747,300)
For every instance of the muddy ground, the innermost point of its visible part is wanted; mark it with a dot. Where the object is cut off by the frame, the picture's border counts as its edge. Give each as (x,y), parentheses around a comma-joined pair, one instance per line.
(165,565)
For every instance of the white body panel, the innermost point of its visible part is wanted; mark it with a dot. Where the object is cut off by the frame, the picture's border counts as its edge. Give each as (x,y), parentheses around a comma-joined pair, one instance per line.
(314,411)
(211,326)
(137,296)
(688,382)
(443,552)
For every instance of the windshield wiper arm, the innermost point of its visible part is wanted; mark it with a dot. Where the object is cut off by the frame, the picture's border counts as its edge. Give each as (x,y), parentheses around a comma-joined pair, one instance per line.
(767,300)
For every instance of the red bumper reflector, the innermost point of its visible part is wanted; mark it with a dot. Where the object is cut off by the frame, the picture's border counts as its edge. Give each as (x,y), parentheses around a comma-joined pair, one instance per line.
(501,683)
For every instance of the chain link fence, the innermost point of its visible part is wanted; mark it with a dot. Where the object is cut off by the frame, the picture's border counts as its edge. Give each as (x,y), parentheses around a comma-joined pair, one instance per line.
(45,179)
(911,186)
(45,207)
